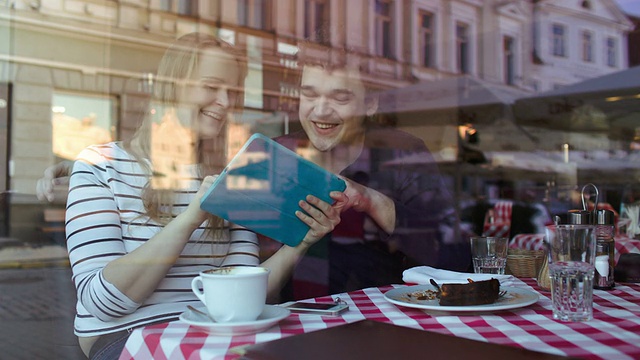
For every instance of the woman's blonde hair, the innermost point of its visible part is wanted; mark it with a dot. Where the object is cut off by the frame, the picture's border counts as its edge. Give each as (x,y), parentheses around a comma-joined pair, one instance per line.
(175,70)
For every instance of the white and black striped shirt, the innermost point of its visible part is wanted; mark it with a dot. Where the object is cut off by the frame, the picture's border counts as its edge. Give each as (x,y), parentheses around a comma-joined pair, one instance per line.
(103,223)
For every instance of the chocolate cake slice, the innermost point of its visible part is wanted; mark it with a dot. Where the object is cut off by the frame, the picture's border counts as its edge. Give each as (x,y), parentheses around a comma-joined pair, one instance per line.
(473,293)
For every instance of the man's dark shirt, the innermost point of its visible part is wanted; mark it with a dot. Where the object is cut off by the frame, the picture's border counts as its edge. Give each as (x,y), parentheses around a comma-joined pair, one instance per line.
(400,166)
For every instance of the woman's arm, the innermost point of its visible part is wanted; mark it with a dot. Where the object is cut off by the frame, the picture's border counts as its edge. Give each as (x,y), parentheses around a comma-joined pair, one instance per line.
(111,281)
(138,273)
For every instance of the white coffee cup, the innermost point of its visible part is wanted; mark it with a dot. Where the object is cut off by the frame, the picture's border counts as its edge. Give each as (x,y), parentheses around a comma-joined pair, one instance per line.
(234,293)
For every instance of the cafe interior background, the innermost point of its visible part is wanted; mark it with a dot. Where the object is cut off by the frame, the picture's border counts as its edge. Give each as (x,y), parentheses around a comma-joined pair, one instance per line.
(520,100)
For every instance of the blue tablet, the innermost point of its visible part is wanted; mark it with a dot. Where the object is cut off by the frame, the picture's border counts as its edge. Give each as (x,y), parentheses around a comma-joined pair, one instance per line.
(261,186)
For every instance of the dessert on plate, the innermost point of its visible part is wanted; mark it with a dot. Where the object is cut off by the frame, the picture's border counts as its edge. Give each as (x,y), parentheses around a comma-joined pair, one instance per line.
(473,293)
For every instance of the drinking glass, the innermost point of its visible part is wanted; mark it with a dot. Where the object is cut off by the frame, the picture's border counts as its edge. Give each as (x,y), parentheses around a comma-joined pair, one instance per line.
(572,252)
(489,254)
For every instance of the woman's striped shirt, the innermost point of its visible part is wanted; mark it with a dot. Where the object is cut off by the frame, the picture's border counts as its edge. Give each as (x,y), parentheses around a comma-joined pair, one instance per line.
(103,223)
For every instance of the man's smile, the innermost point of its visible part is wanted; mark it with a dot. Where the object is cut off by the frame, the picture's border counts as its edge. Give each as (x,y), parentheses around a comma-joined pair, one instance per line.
(324,126)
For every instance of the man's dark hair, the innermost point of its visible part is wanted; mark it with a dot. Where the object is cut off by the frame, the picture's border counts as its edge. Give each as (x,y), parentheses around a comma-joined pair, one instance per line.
(331,58)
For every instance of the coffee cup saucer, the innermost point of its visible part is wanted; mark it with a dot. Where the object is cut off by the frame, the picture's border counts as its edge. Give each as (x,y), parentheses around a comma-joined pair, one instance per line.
(270,316)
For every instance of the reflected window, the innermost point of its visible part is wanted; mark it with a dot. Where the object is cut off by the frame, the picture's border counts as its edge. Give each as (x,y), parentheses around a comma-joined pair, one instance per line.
(78,121)
(254,14)
(509,60)
(289,86)
(427,43)
(587,46)
(187,7)
(612,50)
(171,148)
(558,41)
(384,28)
(182,7)
(166,5)
(462,48)
(316,16)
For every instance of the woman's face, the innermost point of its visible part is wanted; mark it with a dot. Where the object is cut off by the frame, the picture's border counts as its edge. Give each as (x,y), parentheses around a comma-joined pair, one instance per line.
(211,92)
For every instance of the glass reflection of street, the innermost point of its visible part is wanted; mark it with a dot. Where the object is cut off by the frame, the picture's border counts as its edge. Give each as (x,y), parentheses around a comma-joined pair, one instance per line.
(36,311)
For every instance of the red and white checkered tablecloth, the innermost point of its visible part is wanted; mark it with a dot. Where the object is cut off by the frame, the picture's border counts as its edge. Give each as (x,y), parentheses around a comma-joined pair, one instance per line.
(528,242)
(614,333)
(623,244)
(498,224)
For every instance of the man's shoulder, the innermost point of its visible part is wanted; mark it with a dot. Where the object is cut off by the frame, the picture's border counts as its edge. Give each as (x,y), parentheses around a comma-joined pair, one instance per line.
(380,137)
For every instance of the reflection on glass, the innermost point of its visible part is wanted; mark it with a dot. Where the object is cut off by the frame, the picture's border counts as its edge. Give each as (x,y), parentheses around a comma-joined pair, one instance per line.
(78,121)
(250,172)
(172,152)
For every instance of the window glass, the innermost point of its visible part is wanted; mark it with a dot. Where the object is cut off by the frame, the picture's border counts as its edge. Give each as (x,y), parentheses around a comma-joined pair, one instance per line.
(384,28)
(254,13)
(611,52)
(462,105)
(427,39)
(317,22)
(509,60)
(558,40)
(587,46)
(462,48)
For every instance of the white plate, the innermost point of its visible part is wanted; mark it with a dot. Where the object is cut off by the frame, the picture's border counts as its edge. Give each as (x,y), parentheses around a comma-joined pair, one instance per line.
(269,317)
(513,299)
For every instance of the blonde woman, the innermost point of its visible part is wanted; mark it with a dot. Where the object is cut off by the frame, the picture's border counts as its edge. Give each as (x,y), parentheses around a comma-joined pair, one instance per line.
(136,240)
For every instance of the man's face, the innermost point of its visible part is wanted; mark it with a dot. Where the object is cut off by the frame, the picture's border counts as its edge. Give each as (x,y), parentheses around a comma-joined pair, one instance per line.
(332,106)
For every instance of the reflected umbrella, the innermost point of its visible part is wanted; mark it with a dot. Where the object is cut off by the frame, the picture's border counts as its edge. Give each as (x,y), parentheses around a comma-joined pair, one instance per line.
(606,103)
(455,100)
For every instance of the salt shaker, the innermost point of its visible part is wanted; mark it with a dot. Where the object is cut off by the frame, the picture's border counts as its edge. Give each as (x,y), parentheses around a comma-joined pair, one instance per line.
(605,248)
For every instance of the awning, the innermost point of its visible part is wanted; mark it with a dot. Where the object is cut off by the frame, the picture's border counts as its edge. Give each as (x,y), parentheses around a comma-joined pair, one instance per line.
(610,102)
(474,99)
(511,165)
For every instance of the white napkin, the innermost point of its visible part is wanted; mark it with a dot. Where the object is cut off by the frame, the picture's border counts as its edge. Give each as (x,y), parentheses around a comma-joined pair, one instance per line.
(422,274)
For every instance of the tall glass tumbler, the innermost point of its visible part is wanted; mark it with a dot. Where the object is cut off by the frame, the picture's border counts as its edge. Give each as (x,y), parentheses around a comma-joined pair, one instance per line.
(489,254)
(572,253)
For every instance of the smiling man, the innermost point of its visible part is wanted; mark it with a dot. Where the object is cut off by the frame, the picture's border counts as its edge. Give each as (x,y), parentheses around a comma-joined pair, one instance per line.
(332,112)
(404,208)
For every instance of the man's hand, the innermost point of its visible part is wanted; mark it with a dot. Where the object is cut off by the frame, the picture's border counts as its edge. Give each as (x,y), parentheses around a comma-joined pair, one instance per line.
(358,197)
(54,175)
(375,204)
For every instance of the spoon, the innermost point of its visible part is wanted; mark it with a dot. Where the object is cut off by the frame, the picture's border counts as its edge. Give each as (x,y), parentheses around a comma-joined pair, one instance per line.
(200,312)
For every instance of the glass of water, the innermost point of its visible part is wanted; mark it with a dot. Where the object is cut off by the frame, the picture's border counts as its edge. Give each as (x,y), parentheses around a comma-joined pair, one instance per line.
(572,252)
(489,254)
